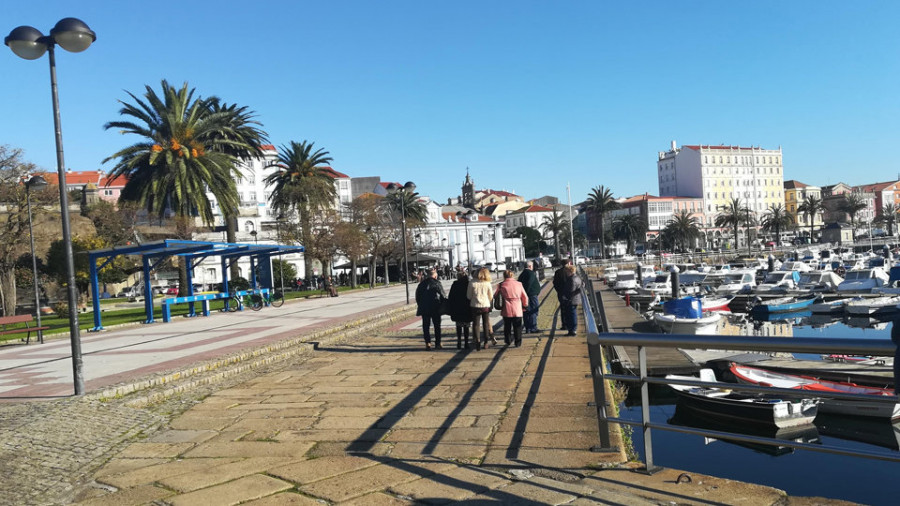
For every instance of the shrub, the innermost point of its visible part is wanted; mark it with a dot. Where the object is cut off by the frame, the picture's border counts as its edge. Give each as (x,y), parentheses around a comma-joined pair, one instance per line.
(61,309)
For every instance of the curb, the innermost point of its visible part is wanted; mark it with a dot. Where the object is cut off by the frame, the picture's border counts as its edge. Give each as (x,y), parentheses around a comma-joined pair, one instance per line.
(249,359)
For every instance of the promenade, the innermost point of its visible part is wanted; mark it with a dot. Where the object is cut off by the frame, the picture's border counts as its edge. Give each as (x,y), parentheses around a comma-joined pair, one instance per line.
(358,418)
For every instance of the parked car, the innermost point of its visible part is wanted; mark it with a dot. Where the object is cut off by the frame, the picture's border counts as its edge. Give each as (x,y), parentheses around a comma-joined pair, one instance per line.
(172,290)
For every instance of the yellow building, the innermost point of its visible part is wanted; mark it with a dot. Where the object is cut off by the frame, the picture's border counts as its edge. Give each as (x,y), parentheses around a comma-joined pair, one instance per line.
(795,193)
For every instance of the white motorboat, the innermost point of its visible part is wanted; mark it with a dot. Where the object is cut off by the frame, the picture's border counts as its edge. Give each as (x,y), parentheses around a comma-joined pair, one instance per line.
(819,281)
(778,282)
(610,274)
(626,280)
(672,324)
(863,280)
(731,282)
(838,306)
(876,306)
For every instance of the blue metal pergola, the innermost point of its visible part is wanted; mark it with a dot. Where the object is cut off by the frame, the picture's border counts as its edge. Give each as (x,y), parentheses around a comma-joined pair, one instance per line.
(154,253)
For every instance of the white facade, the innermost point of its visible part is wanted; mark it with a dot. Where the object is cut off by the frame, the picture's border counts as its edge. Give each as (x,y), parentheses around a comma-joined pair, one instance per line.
(719,173)
(531,217)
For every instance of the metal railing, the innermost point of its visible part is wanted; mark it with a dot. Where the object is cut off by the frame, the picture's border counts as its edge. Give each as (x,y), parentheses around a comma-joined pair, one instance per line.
(597,341)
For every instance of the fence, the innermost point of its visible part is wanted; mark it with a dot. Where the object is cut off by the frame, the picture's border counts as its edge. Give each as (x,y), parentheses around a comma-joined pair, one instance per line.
(598,340)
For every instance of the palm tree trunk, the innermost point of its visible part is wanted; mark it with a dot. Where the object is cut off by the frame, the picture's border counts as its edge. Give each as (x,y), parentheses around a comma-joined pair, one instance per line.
(602,238)
(231,236)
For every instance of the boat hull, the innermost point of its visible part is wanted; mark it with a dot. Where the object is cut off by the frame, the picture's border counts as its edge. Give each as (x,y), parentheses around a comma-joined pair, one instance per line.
(706,325)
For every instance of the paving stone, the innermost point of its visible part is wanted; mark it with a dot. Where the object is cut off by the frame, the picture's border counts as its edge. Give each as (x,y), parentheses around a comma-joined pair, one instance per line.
(372,479)
(182,436)
(120,465)
(344,422)
(525,493)
(346,435)
(338,448)
(377,499)
(309,471)
(155,450)
(453,485)
(138,495)
(251,449)
(433,422)
(202,422)
(285,499)
(155,473)
(214,475)
(234,492)
(466,452)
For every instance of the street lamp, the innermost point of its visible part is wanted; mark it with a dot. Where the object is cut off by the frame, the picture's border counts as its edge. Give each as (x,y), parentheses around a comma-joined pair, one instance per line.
(468,215)
(29,43)
(35,183)
(408,188)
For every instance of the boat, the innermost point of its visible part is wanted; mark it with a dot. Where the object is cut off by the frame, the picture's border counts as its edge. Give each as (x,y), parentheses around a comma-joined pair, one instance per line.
(731,406)
(831,307)
(819,281)
(685,316)
(892,287)
(874,409)
(863,280)
(865,322)
(708,304)
(784,304)
(731,282)
(626,280)
(778,282)
(610,274)
(875,306)
(808,434)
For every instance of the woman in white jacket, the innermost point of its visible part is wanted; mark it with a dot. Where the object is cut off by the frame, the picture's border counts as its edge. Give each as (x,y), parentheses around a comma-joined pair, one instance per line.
(480,295)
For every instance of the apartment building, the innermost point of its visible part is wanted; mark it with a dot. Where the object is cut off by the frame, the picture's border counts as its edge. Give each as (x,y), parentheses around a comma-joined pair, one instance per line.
(795,193)
(718,174)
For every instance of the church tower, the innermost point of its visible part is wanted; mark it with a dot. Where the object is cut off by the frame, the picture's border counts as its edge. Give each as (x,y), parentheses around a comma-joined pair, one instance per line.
(468,192)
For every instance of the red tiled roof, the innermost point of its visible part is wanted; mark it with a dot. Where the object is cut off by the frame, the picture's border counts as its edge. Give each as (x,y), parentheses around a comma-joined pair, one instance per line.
(107,182)
(792,184)
(499,193)
(73,177)
(333,173)
(876,187)
(268,147)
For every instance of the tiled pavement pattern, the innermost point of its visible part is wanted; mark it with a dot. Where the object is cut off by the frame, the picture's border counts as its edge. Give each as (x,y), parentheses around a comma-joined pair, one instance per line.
(381,421)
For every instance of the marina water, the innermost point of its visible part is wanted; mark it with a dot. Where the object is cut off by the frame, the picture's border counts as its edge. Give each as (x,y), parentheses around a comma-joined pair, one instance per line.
(798,472)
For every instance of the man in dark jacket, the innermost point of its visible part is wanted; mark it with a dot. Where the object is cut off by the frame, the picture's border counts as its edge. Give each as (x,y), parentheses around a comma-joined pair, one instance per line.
(529,280)
(429,296)
(572,288)
(559,284)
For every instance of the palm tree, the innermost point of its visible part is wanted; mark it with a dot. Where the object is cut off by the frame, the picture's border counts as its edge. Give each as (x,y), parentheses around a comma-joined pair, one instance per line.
(600,201)
(853,203)
(629,227)
(888,215)
(811,207)
(683,227)
(186,151)
(408,203)
(554,225)
(243,128)
(733,215)
(301,185)
(776,220)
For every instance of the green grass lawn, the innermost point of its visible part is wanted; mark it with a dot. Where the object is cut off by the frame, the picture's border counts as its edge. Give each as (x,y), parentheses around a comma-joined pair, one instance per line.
(112,317)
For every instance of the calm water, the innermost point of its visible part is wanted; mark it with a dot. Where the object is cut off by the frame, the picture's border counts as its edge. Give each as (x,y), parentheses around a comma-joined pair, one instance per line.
(799,472)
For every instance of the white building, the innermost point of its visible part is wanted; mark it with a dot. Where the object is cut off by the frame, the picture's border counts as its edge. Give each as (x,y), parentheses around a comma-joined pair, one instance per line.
(531,216)
(718,174)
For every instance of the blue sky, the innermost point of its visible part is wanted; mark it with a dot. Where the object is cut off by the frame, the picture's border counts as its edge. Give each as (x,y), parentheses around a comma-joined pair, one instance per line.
(528,95)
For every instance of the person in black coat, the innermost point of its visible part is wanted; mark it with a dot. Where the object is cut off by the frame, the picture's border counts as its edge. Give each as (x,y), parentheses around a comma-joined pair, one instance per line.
(429,297)
(460,311)
(529,280)
(559,284)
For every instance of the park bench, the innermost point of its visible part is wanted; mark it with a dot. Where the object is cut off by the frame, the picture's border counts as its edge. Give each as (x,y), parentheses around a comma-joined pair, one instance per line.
(27,319)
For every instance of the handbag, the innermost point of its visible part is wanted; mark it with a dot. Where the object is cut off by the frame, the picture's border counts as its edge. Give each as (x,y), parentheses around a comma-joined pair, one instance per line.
(498,301)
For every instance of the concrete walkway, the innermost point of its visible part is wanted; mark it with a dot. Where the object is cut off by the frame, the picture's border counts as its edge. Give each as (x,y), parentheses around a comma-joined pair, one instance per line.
(379,420)
(122,354)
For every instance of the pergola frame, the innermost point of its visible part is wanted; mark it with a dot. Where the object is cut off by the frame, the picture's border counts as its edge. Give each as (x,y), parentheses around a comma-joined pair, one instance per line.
(154,253)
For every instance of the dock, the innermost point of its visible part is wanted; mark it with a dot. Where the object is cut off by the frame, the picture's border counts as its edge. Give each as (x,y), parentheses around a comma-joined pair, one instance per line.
(623,318)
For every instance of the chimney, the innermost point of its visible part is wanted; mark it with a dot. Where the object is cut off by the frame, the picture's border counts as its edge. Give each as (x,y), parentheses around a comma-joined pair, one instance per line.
(673,145)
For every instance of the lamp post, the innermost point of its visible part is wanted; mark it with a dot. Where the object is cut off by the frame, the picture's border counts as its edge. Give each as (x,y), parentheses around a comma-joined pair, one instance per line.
(29,43)
(467,216)
(35,183)
(278,243)
(408,188)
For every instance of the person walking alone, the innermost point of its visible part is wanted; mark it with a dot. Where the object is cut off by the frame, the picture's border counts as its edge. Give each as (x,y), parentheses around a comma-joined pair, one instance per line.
(460,310)
(532,286)
(559,284)
(572,288)
(429,296)
(480,294)
(514,301)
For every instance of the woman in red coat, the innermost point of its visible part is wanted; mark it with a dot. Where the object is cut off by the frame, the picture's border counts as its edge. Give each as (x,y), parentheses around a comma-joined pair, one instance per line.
(514,300)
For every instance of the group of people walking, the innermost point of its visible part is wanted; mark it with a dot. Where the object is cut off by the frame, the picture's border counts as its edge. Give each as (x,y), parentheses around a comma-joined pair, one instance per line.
(471,301)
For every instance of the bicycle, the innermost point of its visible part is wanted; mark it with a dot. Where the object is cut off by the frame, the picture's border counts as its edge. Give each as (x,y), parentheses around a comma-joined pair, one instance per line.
(274,298)
(252,300)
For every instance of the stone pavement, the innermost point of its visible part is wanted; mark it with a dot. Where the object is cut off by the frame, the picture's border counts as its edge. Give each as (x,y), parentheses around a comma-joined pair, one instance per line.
(379,420)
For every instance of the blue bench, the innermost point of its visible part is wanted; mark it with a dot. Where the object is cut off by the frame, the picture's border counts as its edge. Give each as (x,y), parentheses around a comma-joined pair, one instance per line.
(204,299)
